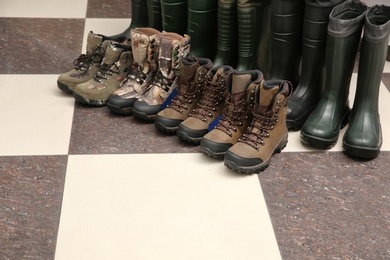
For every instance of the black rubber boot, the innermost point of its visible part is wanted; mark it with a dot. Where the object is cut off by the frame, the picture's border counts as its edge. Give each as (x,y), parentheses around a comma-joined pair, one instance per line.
(227,33)
(139,17)
(308,92)
(154,14)
(363,137)
(254,35)
(174,16)
(202,27)
(286,26)
(322,128)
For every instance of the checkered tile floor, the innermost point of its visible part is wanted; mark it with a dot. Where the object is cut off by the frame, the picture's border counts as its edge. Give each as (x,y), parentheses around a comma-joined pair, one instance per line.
(83,183)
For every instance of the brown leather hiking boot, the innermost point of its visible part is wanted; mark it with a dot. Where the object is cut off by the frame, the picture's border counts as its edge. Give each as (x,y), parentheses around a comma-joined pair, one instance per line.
(140,74)
(86,65)
(236,115)
(107,79)
(209,109)
(267,132)
(169,48)
(190,84)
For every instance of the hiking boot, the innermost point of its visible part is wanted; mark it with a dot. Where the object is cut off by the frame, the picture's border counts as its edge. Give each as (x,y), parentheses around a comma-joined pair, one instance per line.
(267,132)
(86,65)
(208,110)
(190,84)
(96,91)
(169,48)
(236,115)
(139,75)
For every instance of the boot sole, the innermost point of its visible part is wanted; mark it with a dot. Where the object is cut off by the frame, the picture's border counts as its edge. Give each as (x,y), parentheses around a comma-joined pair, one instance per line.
(89,102)
(143,116)
(119,110)
(168,130)
(64,87)
(259,167)
(187,138)
(208,152)
(360,152)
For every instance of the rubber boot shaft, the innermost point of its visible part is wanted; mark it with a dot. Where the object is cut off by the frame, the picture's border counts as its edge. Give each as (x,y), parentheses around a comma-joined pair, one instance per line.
(227,33)
(322,128)
(363,137)
(154,14)
(174,16)
(286,25)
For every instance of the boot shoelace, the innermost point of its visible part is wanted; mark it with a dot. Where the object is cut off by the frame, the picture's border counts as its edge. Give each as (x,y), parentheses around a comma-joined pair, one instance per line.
(183,98)
(212,96)
(259,128)
(136,74)
(162,82)
(107,70)
(84,60)
(234,115)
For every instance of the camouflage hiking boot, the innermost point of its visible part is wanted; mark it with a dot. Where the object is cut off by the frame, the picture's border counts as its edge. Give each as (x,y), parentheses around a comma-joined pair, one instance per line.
(170,47)
(140,74)
(190,84)
(236,115)
(86,65)
(267,132)
(116,62)
(208,110)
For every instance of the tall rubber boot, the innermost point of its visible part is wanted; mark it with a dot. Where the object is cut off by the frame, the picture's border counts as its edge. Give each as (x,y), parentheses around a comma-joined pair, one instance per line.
(363,137)
(254,35)
(202,27)
(174,16)
(286,26)
(154,14)
(322,128)
(227,33)
(308,92)
(139,17)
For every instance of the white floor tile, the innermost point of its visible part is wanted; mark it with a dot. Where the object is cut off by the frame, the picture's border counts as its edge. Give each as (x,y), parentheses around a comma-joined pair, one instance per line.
(35,116)
(295,145)
(44,8)
(166,206)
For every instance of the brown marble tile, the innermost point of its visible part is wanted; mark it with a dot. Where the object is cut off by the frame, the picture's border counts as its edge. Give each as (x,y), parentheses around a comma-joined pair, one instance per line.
(328,206)
(39,46)
(386,80)
(31,190)
(109,9)
(99,131)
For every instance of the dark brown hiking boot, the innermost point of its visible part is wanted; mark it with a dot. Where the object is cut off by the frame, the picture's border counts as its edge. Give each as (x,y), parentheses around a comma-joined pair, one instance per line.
(96,91)
(208,110)
(267,132)
(236,115)
(86,65)
(190,84)
(170,47)
(140,74)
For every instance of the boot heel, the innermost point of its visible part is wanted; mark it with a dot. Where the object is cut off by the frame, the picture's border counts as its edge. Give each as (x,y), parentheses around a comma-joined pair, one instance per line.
(282,144)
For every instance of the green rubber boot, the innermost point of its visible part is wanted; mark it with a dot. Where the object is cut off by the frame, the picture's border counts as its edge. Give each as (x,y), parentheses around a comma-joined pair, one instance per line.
(202,27)
(227,33)
(254,35)
(154,14)
(174,16)
(308,92)
(322,128)
(363,137)
(286,26)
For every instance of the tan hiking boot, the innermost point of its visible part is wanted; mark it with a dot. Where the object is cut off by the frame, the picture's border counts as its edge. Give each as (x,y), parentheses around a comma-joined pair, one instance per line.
(96,91)
(169,48)
(208,110)
(267,132)
(190,84)
(140,74)
(86,65)
(236,115)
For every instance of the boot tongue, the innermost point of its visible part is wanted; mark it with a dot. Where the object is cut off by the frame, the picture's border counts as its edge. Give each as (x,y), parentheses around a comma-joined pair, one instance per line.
(267,93)
(240,83)
(93,41)
(187,70)
(216,76)
(139,44)
(112,54)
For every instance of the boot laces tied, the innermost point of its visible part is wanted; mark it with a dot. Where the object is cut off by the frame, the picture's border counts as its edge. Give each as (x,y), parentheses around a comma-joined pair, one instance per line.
(135,73)
(84,60)
(233,116)
(212,96)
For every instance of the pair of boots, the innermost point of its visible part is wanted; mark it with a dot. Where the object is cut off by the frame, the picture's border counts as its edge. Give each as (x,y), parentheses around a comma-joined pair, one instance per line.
(149,82)
(363,137)
(244,33)
(98,72)
(299,31)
